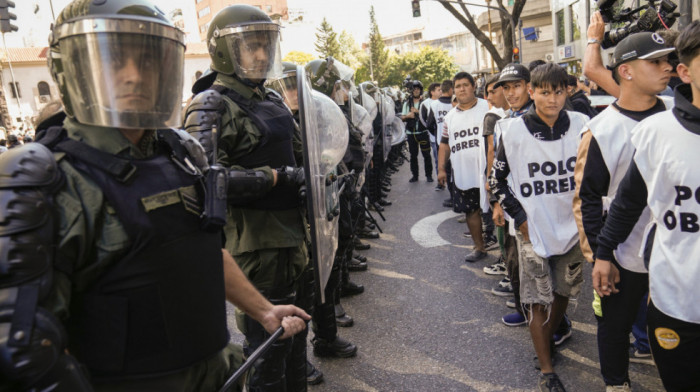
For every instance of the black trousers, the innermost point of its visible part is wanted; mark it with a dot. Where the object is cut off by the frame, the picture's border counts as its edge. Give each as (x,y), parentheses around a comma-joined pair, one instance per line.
(619,314)
(676,355)
(416,142)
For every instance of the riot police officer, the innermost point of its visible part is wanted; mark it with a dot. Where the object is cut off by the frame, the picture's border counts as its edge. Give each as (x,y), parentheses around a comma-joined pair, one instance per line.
(334,79)
(108,267)
(266,232)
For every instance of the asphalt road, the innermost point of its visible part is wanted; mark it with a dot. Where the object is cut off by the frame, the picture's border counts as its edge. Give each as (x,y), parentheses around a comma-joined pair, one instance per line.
(428,321)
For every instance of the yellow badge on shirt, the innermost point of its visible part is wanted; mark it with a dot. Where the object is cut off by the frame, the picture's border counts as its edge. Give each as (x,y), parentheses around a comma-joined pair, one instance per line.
(667,338)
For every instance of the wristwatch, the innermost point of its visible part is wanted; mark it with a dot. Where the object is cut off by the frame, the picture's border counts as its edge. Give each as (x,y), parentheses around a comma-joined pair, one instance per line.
(593,41)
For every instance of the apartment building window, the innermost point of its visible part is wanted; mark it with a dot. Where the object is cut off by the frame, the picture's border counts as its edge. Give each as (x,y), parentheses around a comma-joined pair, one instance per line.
(15,91)
(204,28)
(561,29)
(268,9)
(574,20)
(198,1)
(203,12)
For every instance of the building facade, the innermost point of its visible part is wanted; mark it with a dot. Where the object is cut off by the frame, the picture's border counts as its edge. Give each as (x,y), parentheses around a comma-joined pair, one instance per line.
(206,9)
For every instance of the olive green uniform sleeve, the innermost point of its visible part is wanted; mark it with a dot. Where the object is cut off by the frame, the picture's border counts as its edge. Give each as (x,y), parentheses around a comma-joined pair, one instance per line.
(247,229)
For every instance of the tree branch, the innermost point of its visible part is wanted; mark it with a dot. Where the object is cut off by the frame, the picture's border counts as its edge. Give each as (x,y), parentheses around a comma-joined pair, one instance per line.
(474,29)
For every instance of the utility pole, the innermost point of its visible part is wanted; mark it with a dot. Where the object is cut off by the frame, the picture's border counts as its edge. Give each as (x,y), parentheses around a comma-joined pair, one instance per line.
(685,7)
(488,4)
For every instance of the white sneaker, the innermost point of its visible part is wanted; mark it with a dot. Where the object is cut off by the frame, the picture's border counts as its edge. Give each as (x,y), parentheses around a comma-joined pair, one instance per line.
(618,388)
(497,268)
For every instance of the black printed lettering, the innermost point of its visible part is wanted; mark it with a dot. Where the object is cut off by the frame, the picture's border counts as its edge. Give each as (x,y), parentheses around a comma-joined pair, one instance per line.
(551,186)
(533,168)
(682,193)
(563,185)
(689,222)
(539,187)
(525,189)
(670,220)
(571,164)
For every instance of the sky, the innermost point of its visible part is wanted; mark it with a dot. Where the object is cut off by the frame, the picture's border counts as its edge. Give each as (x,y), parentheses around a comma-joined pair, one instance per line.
(393,16)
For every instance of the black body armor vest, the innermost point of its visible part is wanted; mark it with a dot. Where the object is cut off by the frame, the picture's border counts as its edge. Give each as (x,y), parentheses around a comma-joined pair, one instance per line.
(276,125)
(161,308)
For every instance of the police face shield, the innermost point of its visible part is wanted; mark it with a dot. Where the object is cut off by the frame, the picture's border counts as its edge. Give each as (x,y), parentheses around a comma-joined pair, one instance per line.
(255,50)
(324,133)
(362,120)
(123,73)
(287,87)
(398,132)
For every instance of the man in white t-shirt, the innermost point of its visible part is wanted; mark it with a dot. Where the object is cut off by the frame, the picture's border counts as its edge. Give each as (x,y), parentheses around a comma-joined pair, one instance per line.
(463,142)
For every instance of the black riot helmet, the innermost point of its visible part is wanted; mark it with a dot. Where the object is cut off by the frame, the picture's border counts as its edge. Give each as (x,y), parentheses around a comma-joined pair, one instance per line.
(118,63)
(330,76)
(417,84)
(244,41)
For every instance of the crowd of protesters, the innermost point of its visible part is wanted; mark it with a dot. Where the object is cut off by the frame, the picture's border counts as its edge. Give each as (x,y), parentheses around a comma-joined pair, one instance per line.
(553,182)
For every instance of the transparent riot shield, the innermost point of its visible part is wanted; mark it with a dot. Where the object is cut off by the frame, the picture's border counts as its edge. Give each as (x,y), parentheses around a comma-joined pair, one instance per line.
(398,132)
(324,135)
(387,121)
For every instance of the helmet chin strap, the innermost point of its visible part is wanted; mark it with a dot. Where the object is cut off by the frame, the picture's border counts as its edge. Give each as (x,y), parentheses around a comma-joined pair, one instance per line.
(251,83)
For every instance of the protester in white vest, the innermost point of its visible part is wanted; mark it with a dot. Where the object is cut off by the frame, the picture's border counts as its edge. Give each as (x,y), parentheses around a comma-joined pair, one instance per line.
(463,143)
(424,114)
(438,110)
(538,151)
(662,177)
(641,69)
(498,105)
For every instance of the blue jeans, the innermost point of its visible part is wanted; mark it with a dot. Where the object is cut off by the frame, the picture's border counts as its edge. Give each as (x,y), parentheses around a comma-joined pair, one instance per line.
(639,328)
(433,145)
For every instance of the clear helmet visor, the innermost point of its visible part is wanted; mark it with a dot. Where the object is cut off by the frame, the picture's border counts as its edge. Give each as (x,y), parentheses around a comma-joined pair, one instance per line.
(124,80)
(256,54)
(286,86)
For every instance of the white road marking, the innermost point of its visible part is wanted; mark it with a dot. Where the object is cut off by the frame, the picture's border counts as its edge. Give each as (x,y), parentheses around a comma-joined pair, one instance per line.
(424,232)
(389,274)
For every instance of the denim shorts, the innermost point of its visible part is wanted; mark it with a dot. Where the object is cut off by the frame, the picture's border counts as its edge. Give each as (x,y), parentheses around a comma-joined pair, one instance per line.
(541,277)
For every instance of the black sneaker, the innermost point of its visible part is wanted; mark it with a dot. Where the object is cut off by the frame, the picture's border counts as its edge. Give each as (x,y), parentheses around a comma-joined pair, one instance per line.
(430,179)
(413,179)
(439,187)
(448,203)
(476,255)
(637,356)
(550,382)
(491,242)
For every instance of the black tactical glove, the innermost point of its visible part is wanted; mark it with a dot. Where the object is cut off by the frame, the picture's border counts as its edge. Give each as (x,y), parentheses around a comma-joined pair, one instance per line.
(291,176)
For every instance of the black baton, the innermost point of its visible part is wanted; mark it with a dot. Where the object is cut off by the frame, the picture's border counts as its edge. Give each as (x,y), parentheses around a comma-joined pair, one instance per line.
(251,360)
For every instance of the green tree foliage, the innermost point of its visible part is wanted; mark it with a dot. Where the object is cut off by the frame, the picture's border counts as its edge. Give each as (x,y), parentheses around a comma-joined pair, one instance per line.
(376,63)
(326,40)
(350,52)
(297,57)
(428,65)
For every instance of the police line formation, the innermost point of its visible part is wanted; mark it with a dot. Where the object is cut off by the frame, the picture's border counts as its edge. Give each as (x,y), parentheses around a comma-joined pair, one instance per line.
(122,233)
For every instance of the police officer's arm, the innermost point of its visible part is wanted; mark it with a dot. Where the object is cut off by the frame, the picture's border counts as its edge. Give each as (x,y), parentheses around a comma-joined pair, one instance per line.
(241,293)
(625,210)
(499,186)
(593,66)
(592,182)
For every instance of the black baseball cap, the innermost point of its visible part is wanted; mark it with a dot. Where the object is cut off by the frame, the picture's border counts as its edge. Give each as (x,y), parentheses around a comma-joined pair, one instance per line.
(640,46)
(513,72)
